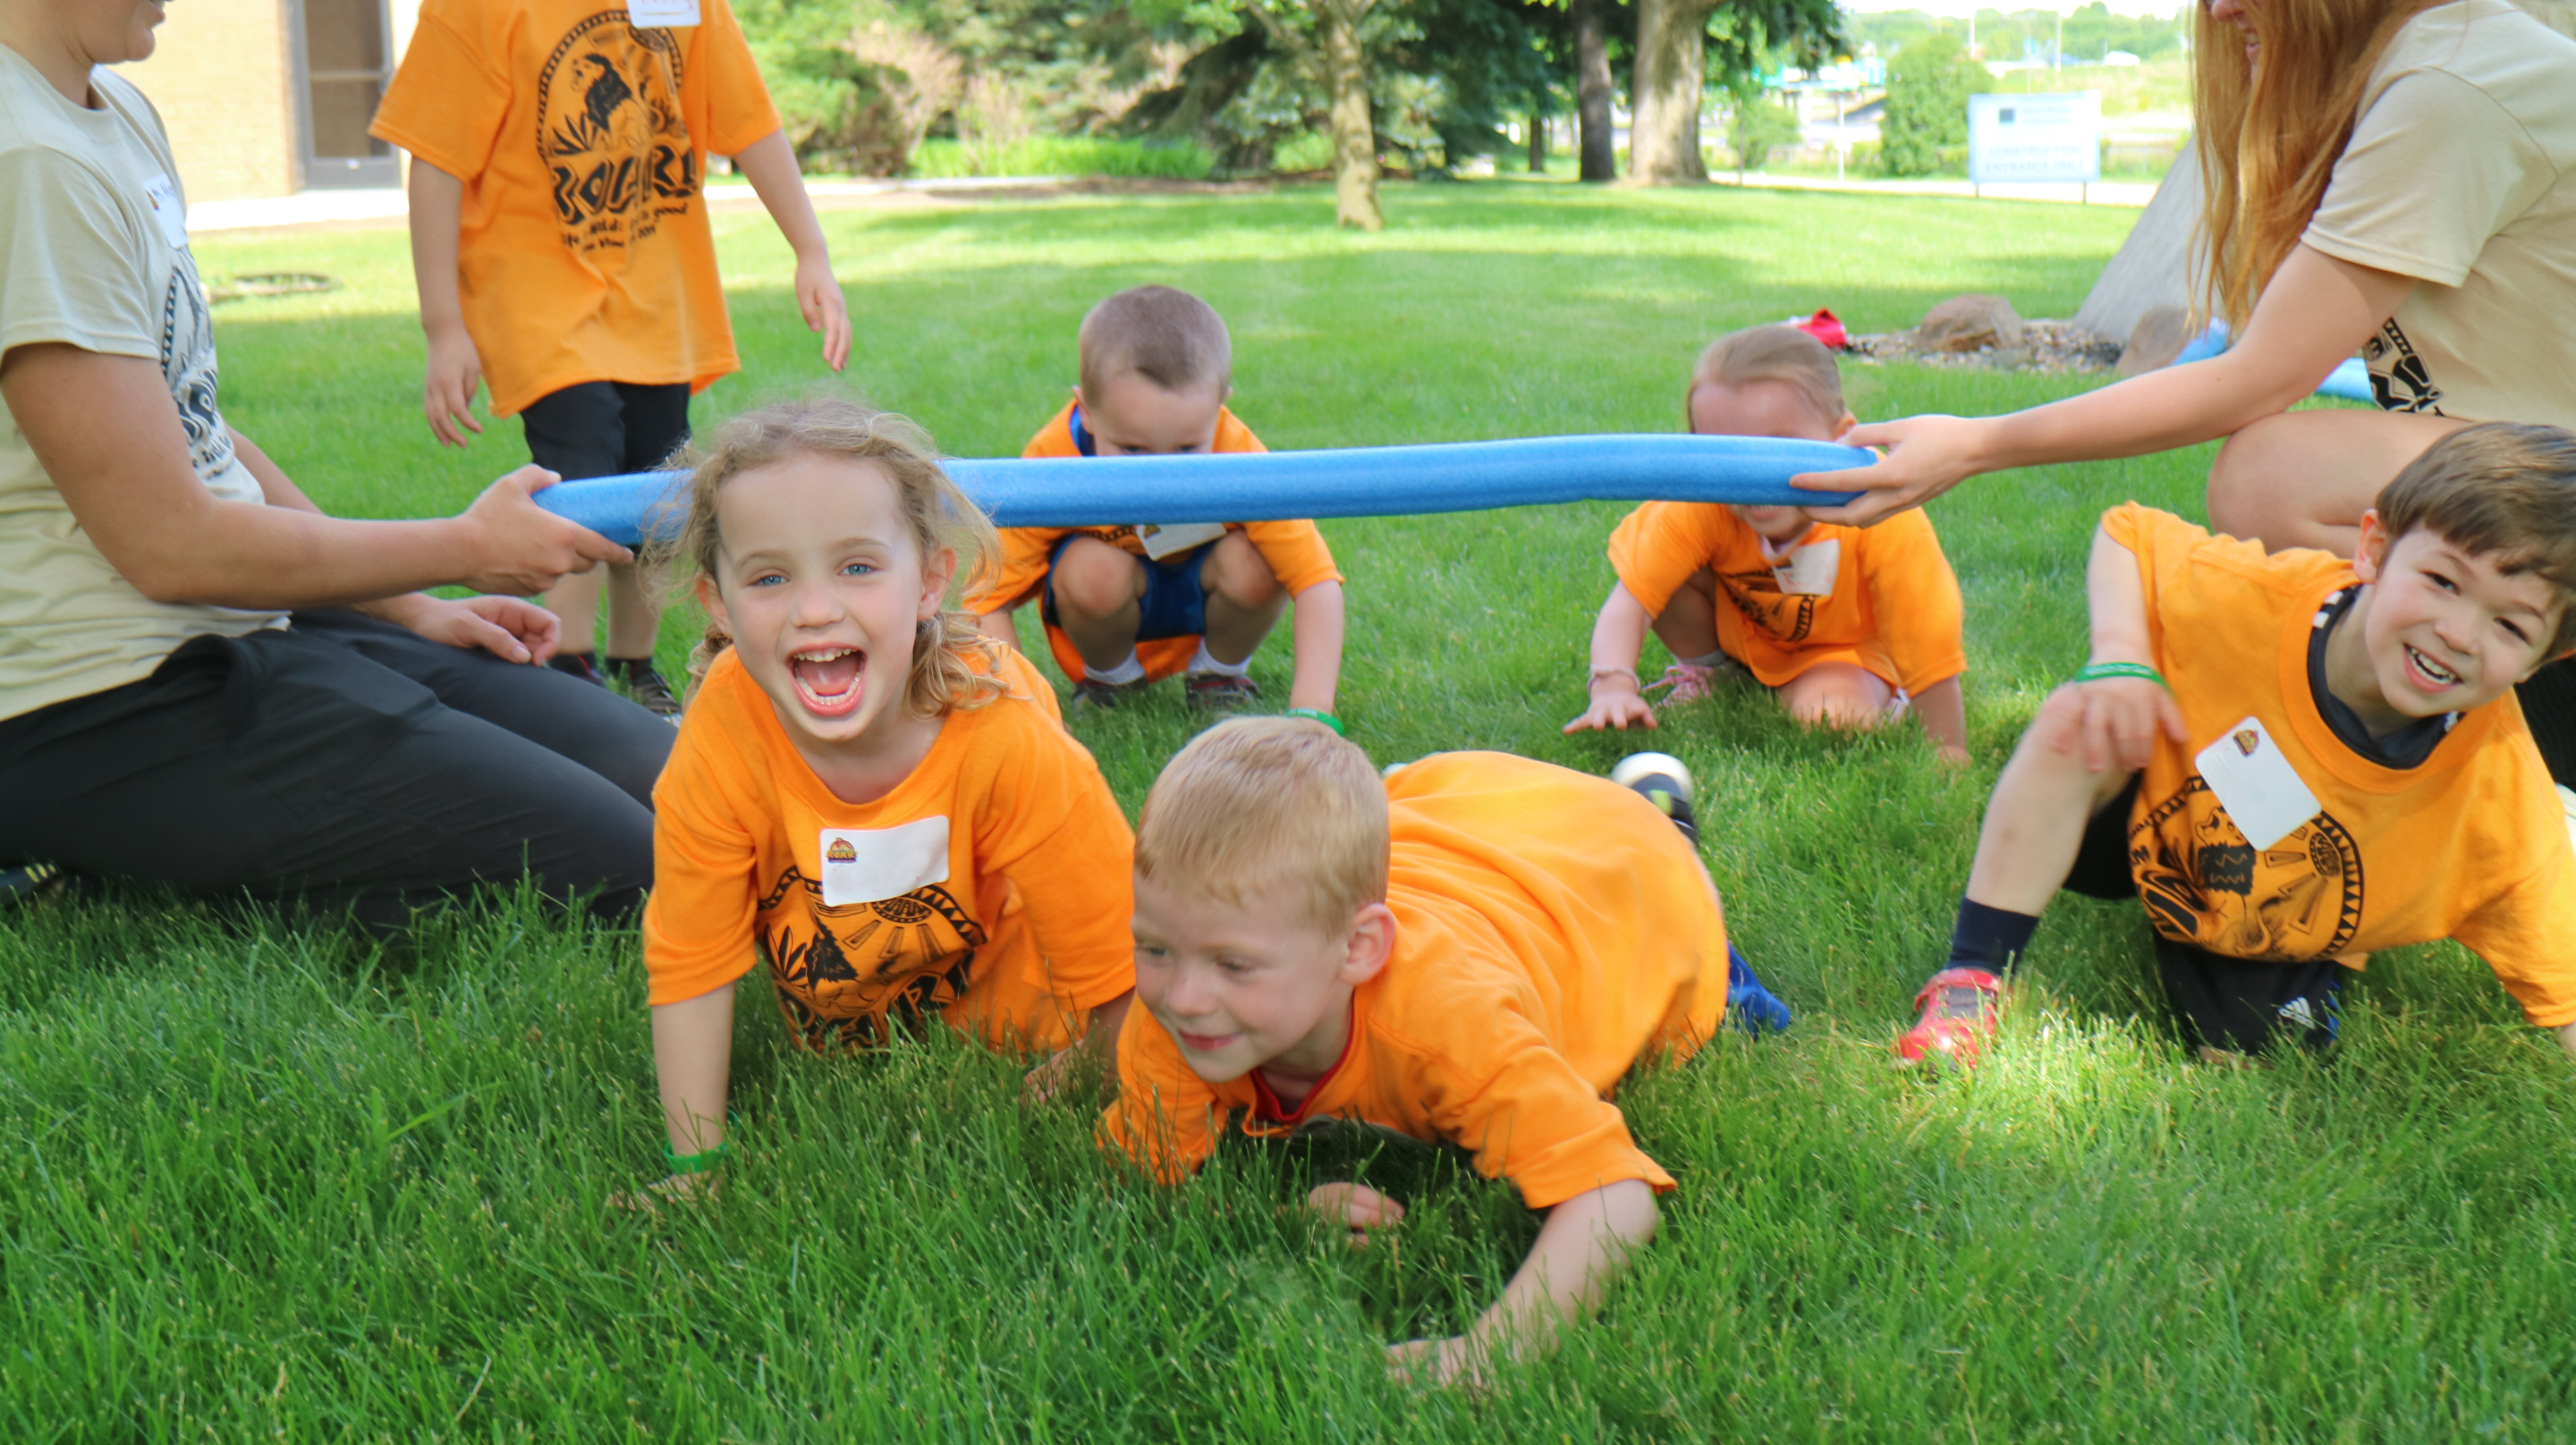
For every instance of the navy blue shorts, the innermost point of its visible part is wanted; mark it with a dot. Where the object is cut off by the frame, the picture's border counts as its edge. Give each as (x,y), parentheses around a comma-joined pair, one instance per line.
(1174,605)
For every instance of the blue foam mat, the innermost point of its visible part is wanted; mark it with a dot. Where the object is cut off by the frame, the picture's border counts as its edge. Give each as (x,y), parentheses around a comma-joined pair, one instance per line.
(1274,486)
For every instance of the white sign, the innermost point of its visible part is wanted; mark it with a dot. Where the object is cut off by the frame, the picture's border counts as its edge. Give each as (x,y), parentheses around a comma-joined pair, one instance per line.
(2035,137)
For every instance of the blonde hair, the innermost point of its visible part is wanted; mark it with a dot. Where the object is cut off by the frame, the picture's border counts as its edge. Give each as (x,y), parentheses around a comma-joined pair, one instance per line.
(2270,134)
(1253,801)
(1772,353)
(954,665)
(1163,334)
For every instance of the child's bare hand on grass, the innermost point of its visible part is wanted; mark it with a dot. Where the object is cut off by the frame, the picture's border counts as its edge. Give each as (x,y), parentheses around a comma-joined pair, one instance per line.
(1615,708)
(676,1189)
(1438,1363)
(2121,720)
(1355,1207)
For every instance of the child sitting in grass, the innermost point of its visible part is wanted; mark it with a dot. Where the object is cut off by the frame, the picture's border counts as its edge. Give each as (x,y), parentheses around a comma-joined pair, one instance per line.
(1472,951)
(2294,761)
(1841,620)
(866,792)
(1127,606)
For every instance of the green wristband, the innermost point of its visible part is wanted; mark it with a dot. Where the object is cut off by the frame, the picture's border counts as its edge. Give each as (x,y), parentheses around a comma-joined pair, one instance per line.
(705,1163)
(1321,716)
(2105,671)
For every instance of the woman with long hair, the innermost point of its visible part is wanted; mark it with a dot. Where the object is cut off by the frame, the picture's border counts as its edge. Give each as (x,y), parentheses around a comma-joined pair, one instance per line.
(2388,177)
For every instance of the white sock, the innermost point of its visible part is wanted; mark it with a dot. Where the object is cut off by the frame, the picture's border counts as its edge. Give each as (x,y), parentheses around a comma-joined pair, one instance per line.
(1206,661)
(1124,673)
(1712,660)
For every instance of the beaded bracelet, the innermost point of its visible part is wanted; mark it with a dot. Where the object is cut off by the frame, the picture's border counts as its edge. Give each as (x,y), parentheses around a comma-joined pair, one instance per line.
(1318,715)
(2105,671)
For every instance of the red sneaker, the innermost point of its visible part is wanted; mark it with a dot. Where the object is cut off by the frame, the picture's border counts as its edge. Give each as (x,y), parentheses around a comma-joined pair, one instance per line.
(1959,1007)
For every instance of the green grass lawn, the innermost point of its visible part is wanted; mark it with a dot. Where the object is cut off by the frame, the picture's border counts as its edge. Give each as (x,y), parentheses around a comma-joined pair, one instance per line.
(273,1181)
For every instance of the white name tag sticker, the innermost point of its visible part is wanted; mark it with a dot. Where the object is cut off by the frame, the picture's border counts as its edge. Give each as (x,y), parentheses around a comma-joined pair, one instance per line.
(663,13)
(2256,784)
(1810,571)
(1162,542)
(166,210)
(864,865)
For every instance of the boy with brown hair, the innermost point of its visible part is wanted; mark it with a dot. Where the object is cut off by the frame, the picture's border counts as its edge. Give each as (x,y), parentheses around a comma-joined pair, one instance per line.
(1471,950)
(560,241)
(1126,606)
(2294,761)
(1841,621)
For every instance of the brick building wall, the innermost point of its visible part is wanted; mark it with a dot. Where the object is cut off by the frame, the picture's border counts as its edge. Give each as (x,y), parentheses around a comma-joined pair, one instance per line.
(223,78)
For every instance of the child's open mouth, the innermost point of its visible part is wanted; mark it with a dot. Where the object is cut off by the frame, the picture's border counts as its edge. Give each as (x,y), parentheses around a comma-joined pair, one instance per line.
(829,680)
(2431,675)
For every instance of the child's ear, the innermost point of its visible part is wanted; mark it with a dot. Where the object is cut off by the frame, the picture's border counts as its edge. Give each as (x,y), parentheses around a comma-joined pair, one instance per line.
(937,571)
(1372,943)
(713,601)
(1843,427)
(2371,553)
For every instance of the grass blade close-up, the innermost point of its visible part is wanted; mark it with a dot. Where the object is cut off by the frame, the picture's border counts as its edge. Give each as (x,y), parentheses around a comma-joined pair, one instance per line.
(275,1178)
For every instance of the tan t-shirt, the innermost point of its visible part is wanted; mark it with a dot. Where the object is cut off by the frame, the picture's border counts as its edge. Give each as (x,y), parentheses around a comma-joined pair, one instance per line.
(94,252)
(2461,173)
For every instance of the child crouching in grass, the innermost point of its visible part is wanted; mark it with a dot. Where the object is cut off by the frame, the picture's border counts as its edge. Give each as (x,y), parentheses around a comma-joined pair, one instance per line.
(866,793)
(1840,620)
(2294,761)
(1472,951)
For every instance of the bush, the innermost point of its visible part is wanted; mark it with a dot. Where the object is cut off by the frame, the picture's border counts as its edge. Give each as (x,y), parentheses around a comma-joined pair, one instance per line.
(1758,127)
(1310,150)
(1928,85)
(1065,156)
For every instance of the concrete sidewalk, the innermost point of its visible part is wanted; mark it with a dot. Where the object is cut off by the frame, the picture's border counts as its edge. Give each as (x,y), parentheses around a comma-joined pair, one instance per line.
(2100,193)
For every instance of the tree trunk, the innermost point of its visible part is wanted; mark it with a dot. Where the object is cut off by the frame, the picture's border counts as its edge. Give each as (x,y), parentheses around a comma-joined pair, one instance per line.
(1592,93)
(1538,142)
(1354,136)
(1663,139)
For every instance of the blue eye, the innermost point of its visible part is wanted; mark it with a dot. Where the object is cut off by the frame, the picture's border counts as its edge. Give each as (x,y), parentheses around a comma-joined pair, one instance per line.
(857,569)
(765,580)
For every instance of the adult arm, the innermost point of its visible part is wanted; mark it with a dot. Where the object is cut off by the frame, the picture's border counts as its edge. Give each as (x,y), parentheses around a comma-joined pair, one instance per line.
(2317,311)
(1580,1251)
(107,435)
(1318,636)
(455,367)
(769,163)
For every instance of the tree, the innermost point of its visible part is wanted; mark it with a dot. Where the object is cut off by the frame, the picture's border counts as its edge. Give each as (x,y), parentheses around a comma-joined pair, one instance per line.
(1600,157)
(1928,85)
(1681,42)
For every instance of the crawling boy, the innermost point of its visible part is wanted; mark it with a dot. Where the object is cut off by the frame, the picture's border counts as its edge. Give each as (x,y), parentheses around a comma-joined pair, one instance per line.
(1126,606)
(1472,951)
(1839,620)
(2294,761)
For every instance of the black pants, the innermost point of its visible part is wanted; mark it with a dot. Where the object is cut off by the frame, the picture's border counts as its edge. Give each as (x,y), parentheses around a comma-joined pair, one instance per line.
(2549,705)
(606,428)
(344,762)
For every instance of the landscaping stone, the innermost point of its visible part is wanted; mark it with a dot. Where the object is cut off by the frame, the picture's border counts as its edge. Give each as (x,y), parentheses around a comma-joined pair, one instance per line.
(1969,323)
(2158,338)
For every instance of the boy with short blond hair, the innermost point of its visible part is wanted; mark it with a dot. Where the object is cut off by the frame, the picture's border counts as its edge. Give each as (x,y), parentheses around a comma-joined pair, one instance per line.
(1472,950)
(1842,622)
(1126,606)
(2295,761)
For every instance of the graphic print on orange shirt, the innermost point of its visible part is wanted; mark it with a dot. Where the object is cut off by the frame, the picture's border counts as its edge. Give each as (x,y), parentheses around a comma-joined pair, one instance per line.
(610,133)
(2298,900)
(1756,593)
(844,972)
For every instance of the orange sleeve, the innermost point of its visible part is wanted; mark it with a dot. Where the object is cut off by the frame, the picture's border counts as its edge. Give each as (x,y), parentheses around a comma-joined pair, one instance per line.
(1165,1119)
(449,98)
(1914,597)
(1049,823)
(698,921)
(1495,1085)
(1657,548)
(738,108)
(2527,932)
(1296,553)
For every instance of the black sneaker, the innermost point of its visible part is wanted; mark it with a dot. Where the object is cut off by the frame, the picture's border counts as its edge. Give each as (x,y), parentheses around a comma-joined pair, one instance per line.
(1660,779)
(646,687)
(1090,696)
(1220,692)
(577,664)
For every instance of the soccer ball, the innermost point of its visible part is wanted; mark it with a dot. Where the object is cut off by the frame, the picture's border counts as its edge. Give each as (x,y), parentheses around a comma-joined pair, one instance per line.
(1661,779)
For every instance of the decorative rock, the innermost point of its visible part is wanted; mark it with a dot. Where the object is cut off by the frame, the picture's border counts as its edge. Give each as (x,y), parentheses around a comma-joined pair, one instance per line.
(1969,323)
(2159,337)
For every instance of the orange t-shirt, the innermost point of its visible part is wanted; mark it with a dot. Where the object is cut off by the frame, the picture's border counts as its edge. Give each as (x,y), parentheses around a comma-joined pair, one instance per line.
(1552,929)
(1881,598)
(992,886)
(1295,551)
(2471,844)
(582,141)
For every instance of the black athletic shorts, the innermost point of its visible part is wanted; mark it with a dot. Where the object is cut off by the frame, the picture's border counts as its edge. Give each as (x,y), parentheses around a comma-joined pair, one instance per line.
(2236,1004)
(2549,705)
(341,762)
(606,428)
